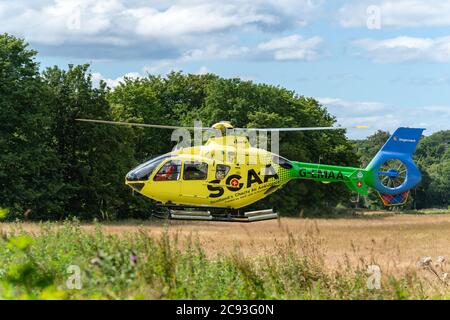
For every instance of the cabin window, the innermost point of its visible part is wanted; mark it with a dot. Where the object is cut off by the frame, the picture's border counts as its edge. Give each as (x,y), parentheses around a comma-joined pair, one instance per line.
(169,171)
(221,171)
(194,170)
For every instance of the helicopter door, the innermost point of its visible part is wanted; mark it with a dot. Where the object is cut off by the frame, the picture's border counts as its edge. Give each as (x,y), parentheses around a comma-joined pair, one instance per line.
(194,184)
(167,181)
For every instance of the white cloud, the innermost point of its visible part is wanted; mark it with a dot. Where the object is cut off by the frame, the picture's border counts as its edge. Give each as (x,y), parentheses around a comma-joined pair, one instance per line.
(293,47)
(56,22)
(146,29)
(352,113)
(378,115)
(443,110)
(209,52)
(203,70)
(163,65)
(202,18)
(112,83)
(339,106)
(216,51)
(403,49)
(424,80)
(397,13)
(386,122)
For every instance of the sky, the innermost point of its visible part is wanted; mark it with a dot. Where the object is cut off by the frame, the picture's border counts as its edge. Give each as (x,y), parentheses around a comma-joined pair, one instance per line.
(381,63)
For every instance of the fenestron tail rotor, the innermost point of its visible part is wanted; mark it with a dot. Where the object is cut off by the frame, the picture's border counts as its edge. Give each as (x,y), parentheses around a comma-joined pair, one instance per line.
(392,173)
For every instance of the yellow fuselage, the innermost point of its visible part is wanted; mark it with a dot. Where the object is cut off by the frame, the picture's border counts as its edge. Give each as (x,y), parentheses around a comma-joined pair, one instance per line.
(225,172)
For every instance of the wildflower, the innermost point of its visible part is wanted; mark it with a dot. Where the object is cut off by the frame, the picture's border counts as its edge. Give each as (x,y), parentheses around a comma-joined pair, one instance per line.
(425,262)
(440,261)
(133,258)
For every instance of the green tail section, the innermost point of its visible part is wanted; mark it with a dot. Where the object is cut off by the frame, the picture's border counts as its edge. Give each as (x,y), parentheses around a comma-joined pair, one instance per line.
(354,178)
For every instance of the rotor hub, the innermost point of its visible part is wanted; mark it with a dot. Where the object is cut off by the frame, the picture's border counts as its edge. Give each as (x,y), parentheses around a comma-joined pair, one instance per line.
(222,126)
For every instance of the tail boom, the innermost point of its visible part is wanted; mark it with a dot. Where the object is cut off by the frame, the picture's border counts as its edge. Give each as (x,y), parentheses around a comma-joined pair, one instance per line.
(392,172)
(354,178)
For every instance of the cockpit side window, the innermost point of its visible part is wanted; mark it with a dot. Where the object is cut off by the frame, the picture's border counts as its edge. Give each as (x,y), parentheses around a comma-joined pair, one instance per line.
(143,171)
(170,171)
(194,170)
(222,171)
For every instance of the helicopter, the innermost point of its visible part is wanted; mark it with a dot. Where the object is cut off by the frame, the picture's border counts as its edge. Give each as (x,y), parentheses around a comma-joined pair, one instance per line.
(218,180)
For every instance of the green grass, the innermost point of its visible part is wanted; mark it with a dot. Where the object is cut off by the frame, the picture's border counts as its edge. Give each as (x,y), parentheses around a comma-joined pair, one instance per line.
(137,266)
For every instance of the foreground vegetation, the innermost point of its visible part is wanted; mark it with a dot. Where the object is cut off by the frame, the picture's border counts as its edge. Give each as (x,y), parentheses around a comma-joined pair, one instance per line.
(137,266)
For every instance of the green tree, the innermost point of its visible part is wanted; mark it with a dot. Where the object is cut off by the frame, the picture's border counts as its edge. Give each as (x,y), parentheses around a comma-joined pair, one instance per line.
(136,100)
(29,176)
(433,157)
(368,148)
(94,158)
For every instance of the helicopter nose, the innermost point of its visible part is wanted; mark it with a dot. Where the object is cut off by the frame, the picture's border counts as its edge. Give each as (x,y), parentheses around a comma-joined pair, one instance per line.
(136,186)
(133,181)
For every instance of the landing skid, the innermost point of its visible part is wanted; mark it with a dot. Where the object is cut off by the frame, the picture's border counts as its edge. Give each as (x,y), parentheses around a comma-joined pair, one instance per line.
(214,214)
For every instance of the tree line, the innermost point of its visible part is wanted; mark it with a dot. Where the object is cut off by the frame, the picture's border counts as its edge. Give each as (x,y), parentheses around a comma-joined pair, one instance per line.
(53,167)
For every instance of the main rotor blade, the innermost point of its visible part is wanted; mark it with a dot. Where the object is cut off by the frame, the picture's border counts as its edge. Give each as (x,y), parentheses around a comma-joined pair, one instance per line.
(145,125)
(131,124)
(301,129)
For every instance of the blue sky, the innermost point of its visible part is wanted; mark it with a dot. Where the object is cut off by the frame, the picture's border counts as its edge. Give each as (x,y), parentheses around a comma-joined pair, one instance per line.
(384,63)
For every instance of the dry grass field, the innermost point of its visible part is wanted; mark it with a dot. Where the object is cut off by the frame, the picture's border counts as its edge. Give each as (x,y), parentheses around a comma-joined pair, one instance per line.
(395,242)
(288,258)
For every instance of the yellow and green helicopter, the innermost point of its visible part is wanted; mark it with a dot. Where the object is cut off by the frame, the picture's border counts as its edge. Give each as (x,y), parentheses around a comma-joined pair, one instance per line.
(218,180)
